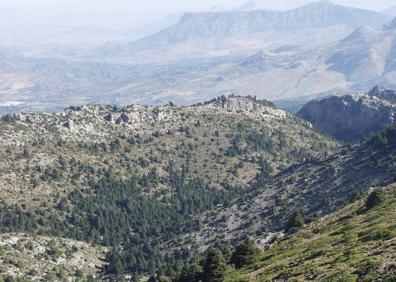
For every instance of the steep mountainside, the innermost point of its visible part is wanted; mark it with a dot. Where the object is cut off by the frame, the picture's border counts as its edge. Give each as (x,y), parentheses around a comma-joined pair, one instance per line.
(317,186)
(351,117)
(354,244)
(366,55)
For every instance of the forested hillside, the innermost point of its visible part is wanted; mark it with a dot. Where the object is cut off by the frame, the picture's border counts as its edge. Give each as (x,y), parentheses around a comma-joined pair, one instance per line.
(146,191)
(356,243)
(133,178)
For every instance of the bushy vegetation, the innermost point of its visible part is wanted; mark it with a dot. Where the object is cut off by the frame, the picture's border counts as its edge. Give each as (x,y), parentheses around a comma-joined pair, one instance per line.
(96,178)
(335,248)
(296,221)
(214,267)
(245,254)
(116,214)
(375,198)
(354,244)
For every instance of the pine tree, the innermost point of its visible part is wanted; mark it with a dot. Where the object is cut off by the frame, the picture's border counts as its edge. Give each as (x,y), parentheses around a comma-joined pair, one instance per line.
(214,267)
(190,274)
(115,262)
(245,254)
(296,221)
(375,198)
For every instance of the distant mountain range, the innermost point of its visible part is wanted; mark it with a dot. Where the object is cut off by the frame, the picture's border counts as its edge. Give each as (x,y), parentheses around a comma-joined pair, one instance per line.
(310,51)
(235,23)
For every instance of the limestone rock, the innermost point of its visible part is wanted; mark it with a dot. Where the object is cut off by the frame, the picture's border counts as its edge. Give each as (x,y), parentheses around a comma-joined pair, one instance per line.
(351,117)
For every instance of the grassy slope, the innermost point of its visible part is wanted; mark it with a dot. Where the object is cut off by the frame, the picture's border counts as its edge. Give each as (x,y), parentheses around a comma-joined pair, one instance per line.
(350,244)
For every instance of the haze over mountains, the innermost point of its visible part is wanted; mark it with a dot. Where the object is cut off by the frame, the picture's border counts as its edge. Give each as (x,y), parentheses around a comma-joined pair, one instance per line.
(249,29)
(312,50)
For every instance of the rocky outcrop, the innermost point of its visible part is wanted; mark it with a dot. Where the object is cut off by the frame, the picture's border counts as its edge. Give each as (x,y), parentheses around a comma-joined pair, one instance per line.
(99,121)
(350,117)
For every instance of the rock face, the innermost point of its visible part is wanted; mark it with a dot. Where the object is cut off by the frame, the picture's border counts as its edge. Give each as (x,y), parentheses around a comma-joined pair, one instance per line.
(79,123)
(350,117)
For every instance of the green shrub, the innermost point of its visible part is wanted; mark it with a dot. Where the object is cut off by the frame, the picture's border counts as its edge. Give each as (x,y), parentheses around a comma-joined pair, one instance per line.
(296,221)
(214,267)
(374,199)
(339,276)
(245,254)
(369,267)
(377,235)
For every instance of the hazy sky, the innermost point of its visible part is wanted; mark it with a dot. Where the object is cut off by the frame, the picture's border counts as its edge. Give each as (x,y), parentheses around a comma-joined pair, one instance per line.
(28,15)
(173,5)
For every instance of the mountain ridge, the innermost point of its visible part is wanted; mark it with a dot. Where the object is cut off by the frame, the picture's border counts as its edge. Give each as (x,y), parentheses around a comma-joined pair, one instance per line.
(204,25)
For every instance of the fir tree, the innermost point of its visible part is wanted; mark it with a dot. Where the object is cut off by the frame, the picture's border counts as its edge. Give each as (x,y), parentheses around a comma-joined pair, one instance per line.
(245,254)
(296,221)
(375,198)
(214,267)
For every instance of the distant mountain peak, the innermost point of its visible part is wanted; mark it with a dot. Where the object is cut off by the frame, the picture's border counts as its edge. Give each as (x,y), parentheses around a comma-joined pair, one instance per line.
(250,5)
